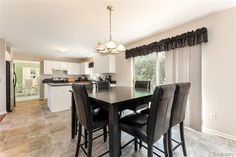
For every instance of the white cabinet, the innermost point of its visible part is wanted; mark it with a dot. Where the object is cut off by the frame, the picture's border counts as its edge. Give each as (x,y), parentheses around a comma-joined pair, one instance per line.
(84,69)
(105,64)
(8,56)
(59,98)
(74,69)
(47,67)
(59,65)
(45,91)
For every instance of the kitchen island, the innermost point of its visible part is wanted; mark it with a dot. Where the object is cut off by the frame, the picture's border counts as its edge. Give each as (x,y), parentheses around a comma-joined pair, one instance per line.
(59,97)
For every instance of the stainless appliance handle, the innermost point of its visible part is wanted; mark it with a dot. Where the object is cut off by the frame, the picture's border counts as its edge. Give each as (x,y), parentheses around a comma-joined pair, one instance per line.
(15,79)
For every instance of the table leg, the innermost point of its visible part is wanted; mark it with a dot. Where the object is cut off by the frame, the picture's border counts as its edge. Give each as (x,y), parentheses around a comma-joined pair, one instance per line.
(113,132)
(73,117)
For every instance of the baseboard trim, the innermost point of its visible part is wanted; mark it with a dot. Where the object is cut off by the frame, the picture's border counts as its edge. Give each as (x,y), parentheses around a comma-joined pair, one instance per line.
(3,113)
(218,133)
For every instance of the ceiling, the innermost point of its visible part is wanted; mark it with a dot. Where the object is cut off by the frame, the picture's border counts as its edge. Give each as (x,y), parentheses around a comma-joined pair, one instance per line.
(72,28)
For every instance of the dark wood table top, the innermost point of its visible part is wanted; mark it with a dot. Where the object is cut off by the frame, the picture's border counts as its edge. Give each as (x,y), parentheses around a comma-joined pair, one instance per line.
(119,94)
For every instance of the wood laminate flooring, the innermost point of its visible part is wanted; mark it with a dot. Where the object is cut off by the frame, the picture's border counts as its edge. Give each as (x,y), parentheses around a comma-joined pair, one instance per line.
(31,130)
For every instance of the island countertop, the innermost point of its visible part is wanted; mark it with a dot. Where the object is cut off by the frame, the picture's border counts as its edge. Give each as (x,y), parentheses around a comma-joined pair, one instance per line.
(68,83)
(59,84)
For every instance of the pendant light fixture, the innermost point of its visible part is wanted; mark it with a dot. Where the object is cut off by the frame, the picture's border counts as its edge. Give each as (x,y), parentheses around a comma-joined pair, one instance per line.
(110,46)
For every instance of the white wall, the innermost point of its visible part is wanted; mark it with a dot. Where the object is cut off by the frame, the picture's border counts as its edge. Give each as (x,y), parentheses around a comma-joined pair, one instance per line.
(124,70)
(2,76)
(218,69)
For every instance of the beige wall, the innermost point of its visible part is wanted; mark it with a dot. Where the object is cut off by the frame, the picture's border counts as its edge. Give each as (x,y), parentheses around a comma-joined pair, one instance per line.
(2,76)
(124,70)
(218,69)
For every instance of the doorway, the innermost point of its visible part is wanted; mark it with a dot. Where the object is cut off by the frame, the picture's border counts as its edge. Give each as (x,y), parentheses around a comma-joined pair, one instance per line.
(28,80)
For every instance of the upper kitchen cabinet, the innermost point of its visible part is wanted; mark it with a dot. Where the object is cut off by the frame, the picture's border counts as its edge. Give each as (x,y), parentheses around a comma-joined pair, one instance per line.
(47,67)
(84,68)
(50,66)
(74,69)
(71,68)
(105,64)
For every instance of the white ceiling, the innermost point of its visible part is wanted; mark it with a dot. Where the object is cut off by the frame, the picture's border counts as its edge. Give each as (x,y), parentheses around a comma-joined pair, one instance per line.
(72,28)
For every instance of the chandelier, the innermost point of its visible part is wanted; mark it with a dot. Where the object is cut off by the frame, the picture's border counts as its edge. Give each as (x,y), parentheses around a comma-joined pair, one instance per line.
(110,46)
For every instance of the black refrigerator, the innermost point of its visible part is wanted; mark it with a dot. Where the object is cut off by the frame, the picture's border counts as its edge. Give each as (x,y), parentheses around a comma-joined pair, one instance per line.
(10,86)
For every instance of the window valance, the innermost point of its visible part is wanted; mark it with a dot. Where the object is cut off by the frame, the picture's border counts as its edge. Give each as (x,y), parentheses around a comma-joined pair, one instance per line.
(186,39)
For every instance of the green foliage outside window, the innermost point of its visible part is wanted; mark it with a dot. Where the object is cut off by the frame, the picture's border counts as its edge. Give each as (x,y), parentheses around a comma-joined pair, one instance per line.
(145,68)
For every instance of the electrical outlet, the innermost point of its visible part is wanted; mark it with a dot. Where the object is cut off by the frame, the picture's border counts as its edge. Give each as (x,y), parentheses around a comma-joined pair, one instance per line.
(212,116)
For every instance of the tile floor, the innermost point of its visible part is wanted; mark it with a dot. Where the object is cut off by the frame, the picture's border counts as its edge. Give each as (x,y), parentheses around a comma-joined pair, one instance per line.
(31,130)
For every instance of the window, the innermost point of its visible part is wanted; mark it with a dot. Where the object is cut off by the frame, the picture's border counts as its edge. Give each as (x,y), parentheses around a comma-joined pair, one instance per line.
(161,68)
(145,68)
(150,68)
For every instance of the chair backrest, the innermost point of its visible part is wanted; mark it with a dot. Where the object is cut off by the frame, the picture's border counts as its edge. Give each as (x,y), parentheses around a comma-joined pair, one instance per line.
(28,83)
(103,85)
(82,105)
(88,84)
(160,112)
(143,84)
(179,103)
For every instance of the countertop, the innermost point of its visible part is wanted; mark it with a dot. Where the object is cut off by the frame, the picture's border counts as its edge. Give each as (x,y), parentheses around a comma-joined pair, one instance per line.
(66,83)
(59,84)
(69,84)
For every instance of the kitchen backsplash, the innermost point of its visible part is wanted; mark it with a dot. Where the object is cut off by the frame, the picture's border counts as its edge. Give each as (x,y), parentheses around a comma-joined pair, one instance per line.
(62,76)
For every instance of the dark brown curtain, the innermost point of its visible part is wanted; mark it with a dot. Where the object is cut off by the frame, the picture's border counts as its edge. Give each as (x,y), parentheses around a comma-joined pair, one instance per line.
(187,39)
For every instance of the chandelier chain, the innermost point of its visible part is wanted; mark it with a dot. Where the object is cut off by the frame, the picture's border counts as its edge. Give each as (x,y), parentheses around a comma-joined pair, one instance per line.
(110,23)
(110,46)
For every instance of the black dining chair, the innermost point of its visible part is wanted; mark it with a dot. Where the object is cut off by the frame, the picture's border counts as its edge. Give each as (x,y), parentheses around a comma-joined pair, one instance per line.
(89,87)
(88,84)
(143,85)
(150,129)
(91,120)
(178,114)
(102,85)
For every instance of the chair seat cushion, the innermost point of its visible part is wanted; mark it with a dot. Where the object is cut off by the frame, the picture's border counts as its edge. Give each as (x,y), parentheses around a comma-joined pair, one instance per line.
(135,124)
(145,111)
(135,118)
(100,118)
(143,106)
(140,107)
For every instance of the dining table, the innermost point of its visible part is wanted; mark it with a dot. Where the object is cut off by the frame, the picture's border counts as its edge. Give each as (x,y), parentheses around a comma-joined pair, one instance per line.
(113,100)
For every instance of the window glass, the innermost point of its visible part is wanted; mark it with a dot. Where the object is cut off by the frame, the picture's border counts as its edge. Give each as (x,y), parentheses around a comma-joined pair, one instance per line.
(145,68)
(150,68)
(161,67)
